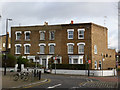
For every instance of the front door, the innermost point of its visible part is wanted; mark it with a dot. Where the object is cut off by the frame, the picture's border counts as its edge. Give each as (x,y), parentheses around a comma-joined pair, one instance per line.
(44,63)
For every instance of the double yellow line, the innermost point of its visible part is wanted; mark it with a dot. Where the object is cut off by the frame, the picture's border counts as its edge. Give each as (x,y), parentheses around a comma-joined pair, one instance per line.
(48,81)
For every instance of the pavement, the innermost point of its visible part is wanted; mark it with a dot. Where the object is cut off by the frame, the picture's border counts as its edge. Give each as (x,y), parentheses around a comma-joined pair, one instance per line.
(8,82)
(50,81)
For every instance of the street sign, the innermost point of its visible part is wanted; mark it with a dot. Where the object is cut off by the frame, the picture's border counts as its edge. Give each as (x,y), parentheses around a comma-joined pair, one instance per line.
(55,58)
(89,61)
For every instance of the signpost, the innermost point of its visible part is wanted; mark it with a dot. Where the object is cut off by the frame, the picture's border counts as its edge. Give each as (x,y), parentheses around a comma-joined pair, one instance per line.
(89,61)
(55,64)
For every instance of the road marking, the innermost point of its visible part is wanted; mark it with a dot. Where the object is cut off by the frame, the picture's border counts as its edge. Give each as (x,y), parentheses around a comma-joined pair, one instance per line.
(38,84)
(55,86)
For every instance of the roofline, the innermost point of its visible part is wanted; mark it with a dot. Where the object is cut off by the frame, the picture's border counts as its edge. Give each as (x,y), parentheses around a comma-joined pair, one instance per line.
(58,25)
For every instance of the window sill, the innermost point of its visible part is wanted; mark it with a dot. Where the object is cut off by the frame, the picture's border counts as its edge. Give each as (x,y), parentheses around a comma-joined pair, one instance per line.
(70,52)
(17,53)
(70,38)
(41,53)
(80,52)
(27,39)
(51,53)
(18,40)
(80,38)
(26,53)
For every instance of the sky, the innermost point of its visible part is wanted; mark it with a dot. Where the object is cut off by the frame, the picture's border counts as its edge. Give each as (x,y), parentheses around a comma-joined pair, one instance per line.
(36,13)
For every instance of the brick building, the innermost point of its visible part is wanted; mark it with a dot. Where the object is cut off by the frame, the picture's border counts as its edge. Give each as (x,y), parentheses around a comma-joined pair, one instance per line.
(3,43)
(72,43)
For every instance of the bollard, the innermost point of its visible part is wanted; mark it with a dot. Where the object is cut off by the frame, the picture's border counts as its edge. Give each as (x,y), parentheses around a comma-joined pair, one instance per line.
(34,72)
(39,75)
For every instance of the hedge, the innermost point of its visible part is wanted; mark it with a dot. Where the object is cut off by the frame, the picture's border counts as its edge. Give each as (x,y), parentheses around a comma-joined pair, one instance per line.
(70,66)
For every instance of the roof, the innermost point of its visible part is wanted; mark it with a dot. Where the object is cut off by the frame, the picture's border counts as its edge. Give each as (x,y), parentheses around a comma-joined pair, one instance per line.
(60,25)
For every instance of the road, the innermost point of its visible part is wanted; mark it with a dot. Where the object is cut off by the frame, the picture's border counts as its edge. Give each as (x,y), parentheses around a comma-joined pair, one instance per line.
(73,82)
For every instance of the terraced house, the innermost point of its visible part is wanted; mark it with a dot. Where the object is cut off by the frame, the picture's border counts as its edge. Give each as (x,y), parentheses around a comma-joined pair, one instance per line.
(72,43)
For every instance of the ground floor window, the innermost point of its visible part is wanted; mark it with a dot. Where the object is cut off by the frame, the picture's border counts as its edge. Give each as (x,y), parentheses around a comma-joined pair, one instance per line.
(95,64)
(75,61)
(100,64)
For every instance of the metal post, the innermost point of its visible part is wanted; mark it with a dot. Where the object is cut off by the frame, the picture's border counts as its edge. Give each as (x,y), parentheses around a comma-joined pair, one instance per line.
(88,70)
(6,46)
(55,62)
(102,64)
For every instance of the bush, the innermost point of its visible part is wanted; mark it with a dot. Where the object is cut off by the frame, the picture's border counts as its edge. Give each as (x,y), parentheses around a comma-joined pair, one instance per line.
(10,61)
(70,66)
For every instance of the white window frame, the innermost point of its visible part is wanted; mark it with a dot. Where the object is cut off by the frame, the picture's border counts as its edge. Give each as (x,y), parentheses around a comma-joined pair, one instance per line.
(79,34)
(42,44)
(49,47)
(25,34)
(68,30)
(81,43)
(95,49)
(95,64)
(72,57)
(40,34)
(68,48)
(17,33)
(3,45)
(25,48)
(16,48)
(50,35)
(100,62)
(77,60)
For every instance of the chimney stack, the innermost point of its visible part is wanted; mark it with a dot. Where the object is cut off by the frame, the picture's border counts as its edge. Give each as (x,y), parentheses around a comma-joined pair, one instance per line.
(45,23)
(71,21)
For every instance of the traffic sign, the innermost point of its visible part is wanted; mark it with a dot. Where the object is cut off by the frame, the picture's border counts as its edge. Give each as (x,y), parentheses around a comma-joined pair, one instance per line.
(89,61)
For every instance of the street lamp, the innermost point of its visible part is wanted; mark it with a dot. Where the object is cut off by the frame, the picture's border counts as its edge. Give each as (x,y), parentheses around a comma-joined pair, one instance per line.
(6,43)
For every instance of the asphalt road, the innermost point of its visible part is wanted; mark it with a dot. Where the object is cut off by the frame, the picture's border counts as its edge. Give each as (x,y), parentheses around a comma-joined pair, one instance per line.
(64,81)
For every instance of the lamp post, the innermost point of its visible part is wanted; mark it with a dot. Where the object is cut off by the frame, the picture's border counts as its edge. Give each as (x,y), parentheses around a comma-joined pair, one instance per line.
(6,43)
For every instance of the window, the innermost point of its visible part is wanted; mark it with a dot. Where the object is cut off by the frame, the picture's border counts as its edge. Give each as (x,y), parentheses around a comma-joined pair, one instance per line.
(42,48)
(100,64)
(51,48)
(81,33)
(81,48)
(75,61)
(51,35)
(81,61)
(70,61)
(27,35)
(95,64)
(9,46)
(42,35)
(70,33)
(27,48)
(17,48)
(18,35)
(70,48)
(95,49)
(3,44)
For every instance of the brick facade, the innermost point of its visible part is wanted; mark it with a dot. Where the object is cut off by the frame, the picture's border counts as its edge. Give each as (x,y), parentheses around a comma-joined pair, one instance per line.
(93,35)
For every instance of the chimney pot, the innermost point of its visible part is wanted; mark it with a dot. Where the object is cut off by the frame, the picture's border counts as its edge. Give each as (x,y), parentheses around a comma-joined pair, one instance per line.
(45,23)
(71,21)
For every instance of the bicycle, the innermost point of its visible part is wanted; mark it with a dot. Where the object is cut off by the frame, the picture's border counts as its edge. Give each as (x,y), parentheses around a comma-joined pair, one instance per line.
(21,75)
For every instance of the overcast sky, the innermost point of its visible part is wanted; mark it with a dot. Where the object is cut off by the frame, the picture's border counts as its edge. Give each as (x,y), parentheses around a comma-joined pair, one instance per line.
(29,13)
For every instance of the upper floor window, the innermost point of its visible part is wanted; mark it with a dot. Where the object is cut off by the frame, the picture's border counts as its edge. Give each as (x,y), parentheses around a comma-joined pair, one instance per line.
(51,48)
(42,35)
(70,48)
(81,48)
(95,49)
(81,33)
(17,48)
(27,48)
(70,33)
(18,35)
(52,35)
(27,35)
(42,48)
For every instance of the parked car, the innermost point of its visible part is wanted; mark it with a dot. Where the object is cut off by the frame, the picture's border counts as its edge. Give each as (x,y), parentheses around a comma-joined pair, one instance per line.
(47,71)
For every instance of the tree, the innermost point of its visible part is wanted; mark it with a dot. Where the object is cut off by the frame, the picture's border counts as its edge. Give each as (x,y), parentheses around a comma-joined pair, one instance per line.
(10,61)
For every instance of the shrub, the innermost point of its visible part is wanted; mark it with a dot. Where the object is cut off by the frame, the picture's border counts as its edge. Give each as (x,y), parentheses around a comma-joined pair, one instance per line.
(70,66)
